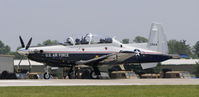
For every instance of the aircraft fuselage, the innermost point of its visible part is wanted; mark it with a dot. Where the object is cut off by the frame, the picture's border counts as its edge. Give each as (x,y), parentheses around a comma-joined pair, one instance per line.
(63,56)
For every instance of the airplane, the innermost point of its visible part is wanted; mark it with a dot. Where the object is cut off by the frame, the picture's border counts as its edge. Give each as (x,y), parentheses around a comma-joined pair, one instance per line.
(86,51)
(156,42)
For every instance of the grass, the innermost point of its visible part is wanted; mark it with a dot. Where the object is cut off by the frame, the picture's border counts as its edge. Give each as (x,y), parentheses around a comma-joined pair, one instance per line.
(102,91)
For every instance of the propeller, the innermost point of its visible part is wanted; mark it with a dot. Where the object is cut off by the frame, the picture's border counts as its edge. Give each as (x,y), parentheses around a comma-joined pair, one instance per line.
(22,43)
(28,45)
(26,48)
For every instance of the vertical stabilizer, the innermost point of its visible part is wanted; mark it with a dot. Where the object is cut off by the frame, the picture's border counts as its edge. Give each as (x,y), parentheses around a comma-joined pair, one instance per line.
(157,39)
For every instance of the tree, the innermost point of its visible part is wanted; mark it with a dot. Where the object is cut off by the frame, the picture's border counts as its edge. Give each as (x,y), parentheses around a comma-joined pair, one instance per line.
(125,41)
(140,39)
(196,49)
(17,55)
(49,42)
(179,47)
(4,49)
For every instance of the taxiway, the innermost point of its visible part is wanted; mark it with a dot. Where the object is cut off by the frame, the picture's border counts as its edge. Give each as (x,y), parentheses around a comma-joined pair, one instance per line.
(80,82)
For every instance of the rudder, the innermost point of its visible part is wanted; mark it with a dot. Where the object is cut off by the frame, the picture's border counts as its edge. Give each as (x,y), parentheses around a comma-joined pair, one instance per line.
(157,39)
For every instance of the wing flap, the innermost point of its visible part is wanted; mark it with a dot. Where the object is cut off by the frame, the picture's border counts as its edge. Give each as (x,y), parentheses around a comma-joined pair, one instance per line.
(113,58)
(97,59)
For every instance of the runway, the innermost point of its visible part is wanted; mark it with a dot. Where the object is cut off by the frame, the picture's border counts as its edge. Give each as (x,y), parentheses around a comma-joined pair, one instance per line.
(109,82)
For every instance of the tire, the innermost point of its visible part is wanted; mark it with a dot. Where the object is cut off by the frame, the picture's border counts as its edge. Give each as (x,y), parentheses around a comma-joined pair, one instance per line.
(93,75)
(46,76)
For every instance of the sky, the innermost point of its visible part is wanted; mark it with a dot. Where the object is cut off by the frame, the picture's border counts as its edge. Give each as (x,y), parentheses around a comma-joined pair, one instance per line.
(59,19)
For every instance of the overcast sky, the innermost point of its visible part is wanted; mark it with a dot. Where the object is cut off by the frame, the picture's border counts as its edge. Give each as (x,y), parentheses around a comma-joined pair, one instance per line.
(58,19)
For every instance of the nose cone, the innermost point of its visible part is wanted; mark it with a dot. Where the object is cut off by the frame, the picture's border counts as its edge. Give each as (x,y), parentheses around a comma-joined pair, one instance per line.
(23,51)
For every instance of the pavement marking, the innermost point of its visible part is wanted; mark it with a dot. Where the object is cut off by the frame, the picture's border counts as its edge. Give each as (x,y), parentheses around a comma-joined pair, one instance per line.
(100,82)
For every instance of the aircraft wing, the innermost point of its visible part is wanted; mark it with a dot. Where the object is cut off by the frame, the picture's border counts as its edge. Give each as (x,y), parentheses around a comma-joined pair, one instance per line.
(97,59)
(110,58)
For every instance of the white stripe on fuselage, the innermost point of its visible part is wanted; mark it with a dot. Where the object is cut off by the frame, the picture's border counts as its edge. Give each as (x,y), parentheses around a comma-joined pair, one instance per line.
(90,48)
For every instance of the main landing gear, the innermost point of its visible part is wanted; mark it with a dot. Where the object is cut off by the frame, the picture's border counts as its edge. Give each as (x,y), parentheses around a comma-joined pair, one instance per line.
(72,72)
(94,73)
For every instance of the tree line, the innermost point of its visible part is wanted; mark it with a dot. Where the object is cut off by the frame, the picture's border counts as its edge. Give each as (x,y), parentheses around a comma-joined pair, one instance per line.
(6,50)
(175,47)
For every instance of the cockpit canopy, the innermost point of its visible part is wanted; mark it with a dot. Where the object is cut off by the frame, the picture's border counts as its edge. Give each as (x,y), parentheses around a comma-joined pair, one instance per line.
(89,39)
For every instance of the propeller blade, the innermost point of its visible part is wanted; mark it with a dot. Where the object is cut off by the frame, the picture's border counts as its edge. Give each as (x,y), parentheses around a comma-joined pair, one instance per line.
(28,45)
(22,43)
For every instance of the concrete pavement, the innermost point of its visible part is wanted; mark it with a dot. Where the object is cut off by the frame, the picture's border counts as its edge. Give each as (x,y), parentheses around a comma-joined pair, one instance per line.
(81,82)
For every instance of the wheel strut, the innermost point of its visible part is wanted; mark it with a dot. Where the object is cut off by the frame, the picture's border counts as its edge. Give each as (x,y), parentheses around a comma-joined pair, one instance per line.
(72,72)
(95,74)
(46,74)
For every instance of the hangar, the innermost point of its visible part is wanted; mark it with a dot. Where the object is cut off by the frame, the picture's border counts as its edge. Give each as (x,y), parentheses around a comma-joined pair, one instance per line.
(8,64)
(35,66)
(60,73)
(172,64)
(7,67)
(180,64)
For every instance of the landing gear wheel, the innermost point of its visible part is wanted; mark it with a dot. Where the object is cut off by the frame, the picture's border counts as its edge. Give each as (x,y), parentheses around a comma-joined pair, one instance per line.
(93,75)
(46,76)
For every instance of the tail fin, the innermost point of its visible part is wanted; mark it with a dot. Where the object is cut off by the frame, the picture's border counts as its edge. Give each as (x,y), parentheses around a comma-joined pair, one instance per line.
(157,39)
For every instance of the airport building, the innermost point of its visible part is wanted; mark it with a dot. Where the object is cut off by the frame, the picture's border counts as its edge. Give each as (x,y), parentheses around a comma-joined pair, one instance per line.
(187,65)
(6,64)
(180,65)
(33,66)
(9,66)
(36,68)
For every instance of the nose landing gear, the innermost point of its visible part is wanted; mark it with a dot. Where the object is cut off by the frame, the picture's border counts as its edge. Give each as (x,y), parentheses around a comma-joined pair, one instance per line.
(47,75)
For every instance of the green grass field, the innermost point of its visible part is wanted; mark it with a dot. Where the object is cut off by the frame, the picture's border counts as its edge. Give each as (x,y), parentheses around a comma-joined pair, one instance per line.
(102,91)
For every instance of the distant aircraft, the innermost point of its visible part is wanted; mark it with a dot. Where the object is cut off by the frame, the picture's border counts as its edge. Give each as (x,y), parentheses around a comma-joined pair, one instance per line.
(87,51)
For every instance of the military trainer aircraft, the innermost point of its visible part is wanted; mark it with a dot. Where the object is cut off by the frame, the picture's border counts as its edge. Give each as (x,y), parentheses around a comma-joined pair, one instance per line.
(86,51)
